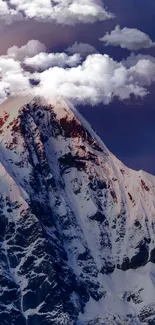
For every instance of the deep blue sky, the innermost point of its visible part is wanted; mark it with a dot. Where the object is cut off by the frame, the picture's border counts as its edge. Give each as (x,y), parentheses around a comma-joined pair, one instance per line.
(128,129)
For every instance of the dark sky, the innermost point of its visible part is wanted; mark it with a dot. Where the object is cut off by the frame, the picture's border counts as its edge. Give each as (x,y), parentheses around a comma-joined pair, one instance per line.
(128,129)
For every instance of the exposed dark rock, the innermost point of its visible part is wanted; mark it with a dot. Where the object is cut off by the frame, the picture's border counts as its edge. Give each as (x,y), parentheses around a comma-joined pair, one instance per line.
(125,264)
(98,216)
(144,186)
(69,161)
(146,313)
(140,258)
(152,256)
(137,224)
(73,129)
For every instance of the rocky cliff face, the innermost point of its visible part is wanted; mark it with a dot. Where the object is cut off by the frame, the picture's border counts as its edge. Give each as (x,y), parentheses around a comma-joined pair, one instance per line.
(77,228)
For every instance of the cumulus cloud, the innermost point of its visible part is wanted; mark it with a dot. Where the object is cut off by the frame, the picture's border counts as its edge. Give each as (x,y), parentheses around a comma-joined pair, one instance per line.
(43,61)
(63,12)
(133,59)
(129,38)
(83,48)
(97,79)
(9,14)
(31,49)
(14,80)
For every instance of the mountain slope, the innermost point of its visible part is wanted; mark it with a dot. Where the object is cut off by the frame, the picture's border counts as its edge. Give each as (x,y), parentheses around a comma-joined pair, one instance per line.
(77,226)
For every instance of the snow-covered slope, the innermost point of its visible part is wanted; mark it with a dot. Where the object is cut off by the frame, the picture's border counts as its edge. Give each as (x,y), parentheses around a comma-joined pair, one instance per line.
(77,227)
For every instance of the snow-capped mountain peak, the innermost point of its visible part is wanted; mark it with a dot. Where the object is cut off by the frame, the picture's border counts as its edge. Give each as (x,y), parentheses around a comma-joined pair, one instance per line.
(77,226)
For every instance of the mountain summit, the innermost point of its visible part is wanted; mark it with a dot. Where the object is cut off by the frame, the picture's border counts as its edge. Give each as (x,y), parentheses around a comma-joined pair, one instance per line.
(77,227)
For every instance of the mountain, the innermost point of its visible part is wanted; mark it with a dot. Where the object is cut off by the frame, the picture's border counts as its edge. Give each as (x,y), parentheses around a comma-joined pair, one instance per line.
(77,227)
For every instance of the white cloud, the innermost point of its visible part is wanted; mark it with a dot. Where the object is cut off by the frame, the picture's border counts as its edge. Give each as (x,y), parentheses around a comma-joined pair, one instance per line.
(134,59)
(83,48)
(43,61)
(29,50)
(98,79)
(9,14)
(63,12)
(129,38)
(14,80)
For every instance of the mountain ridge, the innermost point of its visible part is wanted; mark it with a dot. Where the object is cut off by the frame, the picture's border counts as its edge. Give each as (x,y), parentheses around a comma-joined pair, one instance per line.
(75,221)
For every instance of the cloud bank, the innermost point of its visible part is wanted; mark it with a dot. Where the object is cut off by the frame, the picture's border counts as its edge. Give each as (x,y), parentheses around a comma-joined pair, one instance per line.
(99,79)
(63,12)
(43,61)
(129,38)
(31,49)
(93,80)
